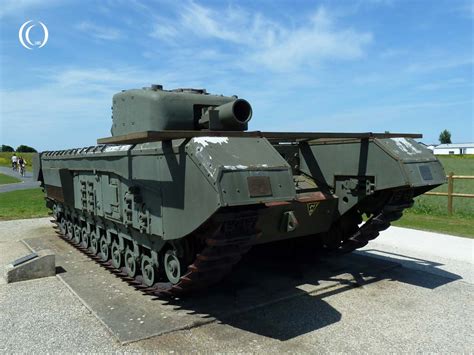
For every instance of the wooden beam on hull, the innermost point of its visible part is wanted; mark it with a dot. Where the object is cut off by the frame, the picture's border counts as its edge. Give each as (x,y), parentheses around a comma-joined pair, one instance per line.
(156,136)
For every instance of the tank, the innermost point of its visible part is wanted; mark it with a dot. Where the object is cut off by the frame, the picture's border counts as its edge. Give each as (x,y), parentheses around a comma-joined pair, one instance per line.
(181,190)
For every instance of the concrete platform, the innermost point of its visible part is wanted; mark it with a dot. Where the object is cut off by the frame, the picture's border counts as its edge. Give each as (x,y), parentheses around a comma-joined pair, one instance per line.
(31,266)
(10,251)
(430,252)
(132,316)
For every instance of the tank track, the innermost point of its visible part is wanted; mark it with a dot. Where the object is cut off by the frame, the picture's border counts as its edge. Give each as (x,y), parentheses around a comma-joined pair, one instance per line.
(230,239)
(360,237)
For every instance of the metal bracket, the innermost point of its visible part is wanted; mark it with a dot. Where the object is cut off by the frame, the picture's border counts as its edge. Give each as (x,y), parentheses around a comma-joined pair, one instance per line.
(289,221)
(363,186)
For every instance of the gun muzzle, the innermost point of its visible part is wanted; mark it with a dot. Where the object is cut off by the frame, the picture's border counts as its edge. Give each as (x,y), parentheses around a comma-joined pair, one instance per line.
(233,115)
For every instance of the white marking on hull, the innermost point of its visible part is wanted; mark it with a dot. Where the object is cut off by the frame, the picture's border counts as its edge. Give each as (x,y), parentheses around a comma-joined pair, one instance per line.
(205,141)
(117,148)
(406,146)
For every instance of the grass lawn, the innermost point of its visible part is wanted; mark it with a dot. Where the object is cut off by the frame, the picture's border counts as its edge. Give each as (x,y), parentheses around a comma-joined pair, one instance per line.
(22,204)
(438,205)
(458,226)
(431,212)
(6,179)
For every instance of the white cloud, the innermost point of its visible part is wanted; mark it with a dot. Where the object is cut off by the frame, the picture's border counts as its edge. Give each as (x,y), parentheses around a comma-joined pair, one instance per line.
(374,117)
(465,9)
(258,41)
(392,53)
(18,7)
(445,84)
(72,107)
(308,45)
(439,64)
(100,79)
(206,22)
(50,118)
(100,32)
(164,31)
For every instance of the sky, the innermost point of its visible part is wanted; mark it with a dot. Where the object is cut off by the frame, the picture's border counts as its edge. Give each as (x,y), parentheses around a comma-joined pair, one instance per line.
(322,66)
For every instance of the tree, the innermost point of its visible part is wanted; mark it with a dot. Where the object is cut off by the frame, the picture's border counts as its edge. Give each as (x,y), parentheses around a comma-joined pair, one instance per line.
(25,149)
(445,137)
(7,148)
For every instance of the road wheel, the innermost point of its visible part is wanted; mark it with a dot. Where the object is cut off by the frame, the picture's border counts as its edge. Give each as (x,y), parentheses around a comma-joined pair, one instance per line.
(130,262)
(116,255)
(85,238)
(77,234)
(148,270)
(104,249)
(69,230)
(94,243)
(172,266)
(63,226)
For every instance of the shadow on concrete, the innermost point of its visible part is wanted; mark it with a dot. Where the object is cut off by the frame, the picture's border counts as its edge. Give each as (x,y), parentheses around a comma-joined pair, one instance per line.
(408,262)
(60,270)
(277,291)
(296,281)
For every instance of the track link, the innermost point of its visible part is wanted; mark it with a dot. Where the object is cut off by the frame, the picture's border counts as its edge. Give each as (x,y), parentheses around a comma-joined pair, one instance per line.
(371,229)
(222,250)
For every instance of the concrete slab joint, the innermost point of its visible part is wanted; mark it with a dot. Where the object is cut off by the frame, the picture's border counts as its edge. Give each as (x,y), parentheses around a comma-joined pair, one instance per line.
(43,265)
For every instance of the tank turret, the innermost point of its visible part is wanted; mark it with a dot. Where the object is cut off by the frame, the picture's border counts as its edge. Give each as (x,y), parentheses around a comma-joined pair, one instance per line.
(155,109)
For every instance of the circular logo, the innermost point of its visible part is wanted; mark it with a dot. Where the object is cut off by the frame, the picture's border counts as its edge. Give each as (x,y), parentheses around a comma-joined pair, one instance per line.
(24,35)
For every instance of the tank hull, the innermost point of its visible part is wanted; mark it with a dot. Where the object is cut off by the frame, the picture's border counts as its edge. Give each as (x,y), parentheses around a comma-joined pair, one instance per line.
(208,199)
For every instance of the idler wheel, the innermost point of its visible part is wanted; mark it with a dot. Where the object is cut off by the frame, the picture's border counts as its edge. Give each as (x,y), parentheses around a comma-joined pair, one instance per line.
(69,230)
(94,243)
(148,271)
(85,238)
(130,262)
(104,249)
(172,266)
(116,255)
(77,234)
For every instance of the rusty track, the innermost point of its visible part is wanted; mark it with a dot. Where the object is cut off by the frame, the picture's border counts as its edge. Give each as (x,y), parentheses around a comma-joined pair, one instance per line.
(222,250)
(371,229)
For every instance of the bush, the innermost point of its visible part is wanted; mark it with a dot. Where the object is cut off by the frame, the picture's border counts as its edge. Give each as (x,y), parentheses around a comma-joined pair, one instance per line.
(25,149)
(7,148)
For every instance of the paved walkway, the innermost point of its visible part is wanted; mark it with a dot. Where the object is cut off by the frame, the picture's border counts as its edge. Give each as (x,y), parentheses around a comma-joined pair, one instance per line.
(436,253)
(27,181)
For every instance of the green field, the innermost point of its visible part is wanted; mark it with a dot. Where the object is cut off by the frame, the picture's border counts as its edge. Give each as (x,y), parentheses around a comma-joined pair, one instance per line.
(22,204)
(431,212)
(5,159)
(437,205)
(6,179)
(459,226)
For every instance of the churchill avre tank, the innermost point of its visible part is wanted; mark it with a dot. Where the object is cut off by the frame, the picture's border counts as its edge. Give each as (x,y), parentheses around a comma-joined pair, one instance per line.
(181,190)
